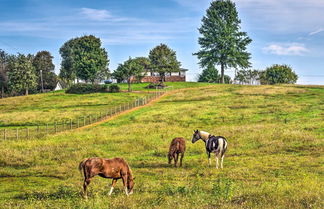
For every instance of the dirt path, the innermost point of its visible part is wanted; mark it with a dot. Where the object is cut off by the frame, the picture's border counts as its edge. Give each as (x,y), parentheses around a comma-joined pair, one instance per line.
(139,107)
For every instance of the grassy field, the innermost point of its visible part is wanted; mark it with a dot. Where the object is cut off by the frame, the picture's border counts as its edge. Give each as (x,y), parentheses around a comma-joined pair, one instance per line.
(274,159)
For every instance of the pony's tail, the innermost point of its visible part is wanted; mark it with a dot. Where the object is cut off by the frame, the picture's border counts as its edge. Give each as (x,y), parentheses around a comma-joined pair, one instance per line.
(81,165)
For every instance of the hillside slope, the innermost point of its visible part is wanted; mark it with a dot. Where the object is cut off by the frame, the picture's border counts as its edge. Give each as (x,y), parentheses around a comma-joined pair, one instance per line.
(275,136)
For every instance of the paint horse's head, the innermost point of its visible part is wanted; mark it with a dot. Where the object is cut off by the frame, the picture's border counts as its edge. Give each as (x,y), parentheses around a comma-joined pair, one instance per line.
(196,136)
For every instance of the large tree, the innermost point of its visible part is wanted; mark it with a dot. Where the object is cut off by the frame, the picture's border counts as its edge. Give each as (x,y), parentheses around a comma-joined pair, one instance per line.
(164,60)
(129,70)
(145,63)
(43,63)
(22,76)
(222,43)
(84,58)
(67,71)
(4,61)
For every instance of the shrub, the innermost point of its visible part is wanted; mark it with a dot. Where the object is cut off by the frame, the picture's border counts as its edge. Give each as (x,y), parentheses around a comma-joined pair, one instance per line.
(156,85)
(83,88)
(277,74)
(113,88)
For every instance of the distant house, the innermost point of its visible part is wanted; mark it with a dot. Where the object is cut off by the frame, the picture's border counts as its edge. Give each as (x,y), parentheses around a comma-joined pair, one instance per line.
(154,77)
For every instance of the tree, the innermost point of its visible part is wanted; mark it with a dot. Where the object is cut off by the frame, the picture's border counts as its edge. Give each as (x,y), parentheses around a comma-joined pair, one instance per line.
(222,43)
(127,71)
(164,60)
(46,78)
(209,74)
(277,74)
(22,75)
(145,62)
(247,76)
(4,61)
(67,71)
(83,58)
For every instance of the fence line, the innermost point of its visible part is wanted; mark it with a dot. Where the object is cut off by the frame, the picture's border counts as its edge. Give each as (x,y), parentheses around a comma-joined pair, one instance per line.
(57,126)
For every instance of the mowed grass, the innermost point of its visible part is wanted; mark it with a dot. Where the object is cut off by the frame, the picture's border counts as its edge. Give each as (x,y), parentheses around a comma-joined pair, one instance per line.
(274,158)
(57,106)
(40,109)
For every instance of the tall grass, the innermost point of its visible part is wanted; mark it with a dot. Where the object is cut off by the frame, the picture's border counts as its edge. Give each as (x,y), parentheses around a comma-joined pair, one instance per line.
(270,162)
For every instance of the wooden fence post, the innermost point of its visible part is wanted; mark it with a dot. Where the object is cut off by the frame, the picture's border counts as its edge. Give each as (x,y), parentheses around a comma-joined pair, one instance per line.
(90,119)
(78,123)
(84,120)
(37,129)
(17,135)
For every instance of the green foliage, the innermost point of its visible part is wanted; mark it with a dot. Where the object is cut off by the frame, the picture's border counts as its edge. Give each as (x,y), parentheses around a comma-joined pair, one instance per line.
(43,63)
(277,74)
(210,75)
(129,70)
(67,71)
(84,88)
(113,88)
(4,68)
(146,63)
(222,43)
(83,58)
(164,60)
(22,76)
(156,86)
(248,76)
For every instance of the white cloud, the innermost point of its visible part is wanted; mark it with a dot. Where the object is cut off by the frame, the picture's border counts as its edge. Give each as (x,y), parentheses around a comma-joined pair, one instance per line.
(95,14)
(286,49)
(316,31)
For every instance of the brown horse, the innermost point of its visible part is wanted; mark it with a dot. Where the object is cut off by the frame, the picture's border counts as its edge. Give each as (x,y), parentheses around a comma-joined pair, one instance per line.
(177,146)
(115,169)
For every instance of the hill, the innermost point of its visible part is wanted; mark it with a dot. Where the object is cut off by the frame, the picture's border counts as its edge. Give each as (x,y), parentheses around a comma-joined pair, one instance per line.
(275,136)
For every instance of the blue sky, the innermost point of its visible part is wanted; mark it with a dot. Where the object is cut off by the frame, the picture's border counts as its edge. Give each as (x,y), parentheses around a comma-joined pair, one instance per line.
(283,31)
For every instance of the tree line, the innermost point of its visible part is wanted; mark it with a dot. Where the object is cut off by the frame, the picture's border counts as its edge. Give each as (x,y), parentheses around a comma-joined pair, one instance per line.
(22,74)
(222,44)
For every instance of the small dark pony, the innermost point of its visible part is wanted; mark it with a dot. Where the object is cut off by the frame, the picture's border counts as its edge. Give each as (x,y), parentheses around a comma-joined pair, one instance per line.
(115,169)
(177,147)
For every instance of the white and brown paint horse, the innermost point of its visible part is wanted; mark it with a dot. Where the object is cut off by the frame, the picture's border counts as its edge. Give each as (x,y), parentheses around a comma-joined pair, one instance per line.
(115,169)
(213,144)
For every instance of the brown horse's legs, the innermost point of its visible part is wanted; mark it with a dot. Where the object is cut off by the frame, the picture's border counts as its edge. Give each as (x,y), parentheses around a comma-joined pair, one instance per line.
(85,184)
(176,159)
(182,154)
(124,177)
(112,186)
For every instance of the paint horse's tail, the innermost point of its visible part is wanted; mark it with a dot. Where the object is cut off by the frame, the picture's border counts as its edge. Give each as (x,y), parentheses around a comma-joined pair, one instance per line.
(81,165)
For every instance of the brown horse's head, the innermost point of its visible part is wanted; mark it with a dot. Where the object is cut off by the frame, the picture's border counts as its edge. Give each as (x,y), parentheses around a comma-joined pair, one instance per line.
(130,185)
(169,158)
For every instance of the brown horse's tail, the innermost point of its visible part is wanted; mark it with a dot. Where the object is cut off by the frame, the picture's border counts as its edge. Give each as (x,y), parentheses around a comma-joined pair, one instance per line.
(81,165)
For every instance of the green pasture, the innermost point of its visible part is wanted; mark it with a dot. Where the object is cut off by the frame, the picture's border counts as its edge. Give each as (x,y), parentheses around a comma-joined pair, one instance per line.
(274,158)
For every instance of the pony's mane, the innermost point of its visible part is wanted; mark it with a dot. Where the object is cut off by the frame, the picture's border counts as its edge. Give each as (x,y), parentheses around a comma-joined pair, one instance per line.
(130,173)
(204,134)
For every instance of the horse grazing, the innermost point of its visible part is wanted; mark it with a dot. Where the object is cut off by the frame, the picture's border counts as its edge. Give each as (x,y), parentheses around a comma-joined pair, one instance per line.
(115,169)
(177,146)
(215,144)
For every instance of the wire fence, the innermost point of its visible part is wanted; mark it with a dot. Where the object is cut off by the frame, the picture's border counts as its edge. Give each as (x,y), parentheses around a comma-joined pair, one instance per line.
(57,126)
